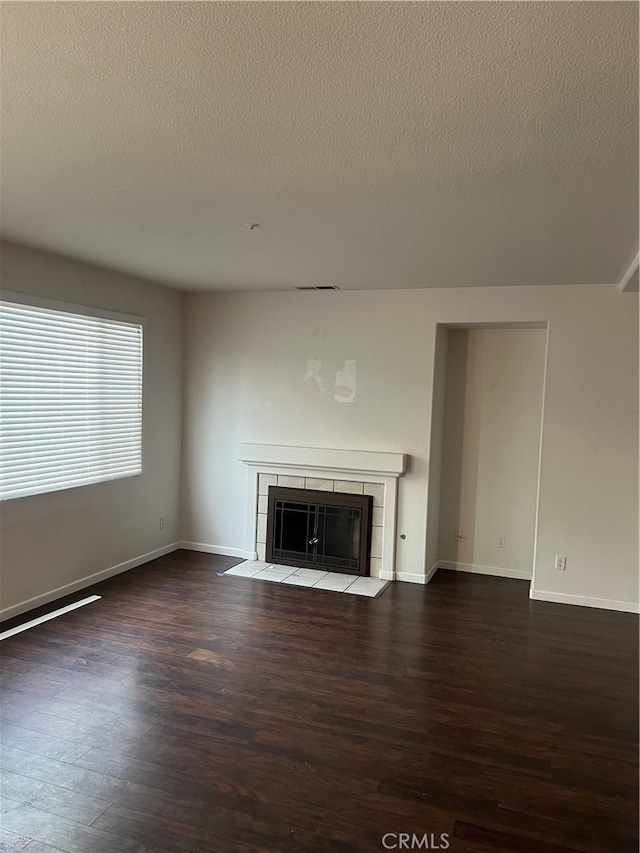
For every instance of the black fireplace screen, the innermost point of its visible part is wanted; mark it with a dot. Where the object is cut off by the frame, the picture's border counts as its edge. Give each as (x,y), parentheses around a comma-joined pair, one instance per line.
(324,530)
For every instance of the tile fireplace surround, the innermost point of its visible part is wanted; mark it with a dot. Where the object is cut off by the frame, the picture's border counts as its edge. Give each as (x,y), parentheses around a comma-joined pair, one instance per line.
(353,471)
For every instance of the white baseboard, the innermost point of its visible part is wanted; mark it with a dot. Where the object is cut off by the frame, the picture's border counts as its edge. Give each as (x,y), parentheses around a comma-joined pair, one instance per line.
(477,569)
(221,550)
(410,577)
(434,568)
(584,601)
(89,580)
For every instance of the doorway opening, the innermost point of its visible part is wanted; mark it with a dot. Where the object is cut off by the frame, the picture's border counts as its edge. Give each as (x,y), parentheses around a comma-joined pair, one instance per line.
(486,434)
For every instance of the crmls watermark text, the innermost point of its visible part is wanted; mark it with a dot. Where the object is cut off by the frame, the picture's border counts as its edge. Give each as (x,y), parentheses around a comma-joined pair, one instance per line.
(411,841)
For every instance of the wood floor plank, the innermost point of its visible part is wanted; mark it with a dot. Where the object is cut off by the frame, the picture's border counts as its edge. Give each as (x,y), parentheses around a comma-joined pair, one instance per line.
(112,721)
(147,798)
(204,714)
(51,798)
(82,734)
(263,827)
(67,835)
(42,743)
(11,841)
(489,839)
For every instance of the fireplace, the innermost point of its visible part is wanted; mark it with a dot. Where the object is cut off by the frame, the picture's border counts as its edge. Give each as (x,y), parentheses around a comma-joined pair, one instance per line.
(354,472)
(323,530)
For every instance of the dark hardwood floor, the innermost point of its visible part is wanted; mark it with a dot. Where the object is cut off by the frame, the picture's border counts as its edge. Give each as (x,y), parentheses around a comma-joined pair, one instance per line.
(192,713)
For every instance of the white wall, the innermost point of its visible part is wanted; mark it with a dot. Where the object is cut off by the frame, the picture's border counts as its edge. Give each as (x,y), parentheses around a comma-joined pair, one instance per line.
(436,446)
(491,448)
(245,362)
(53,544)
(246,356)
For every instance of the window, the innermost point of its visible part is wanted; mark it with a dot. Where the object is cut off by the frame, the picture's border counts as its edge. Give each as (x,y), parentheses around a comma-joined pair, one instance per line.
(70,397)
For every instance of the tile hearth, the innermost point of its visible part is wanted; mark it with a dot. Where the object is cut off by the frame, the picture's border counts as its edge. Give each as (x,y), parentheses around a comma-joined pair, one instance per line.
(334,581)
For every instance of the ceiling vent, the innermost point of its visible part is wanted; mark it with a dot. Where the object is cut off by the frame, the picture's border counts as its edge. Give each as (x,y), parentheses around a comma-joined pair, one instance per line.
(320,287)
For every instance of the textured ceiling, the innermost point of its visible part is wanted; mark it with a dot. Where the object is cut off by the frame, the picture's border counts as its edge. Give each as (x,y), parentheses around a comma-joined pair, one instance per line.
(379,145)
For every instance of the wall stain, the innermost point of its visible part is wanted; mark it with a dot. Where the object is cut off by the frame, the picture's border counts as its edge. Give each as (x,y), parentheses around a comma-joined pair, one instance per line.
(346,382)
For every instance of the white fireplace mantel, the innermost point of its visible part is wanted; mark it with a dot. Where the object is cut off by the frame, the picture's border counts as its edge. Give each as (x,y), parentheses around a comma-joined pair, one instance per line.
(356,465)
(323,459)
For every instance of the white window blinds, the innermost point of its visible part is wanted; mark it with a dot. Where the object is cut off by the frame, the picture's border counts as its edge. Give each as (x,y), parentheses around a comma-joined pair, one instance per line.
(70,399)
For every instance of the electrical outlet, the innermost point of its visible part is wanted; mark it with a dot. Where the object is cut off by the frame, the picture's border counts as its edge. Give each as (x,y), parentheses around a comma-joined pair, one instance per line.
(561,563)
(162,522)
(502,541)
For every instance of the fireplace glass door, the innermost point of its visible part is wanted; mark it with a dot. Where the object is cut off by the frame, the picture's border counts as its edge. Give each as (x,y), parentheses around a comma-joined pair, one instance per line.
(324,530)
